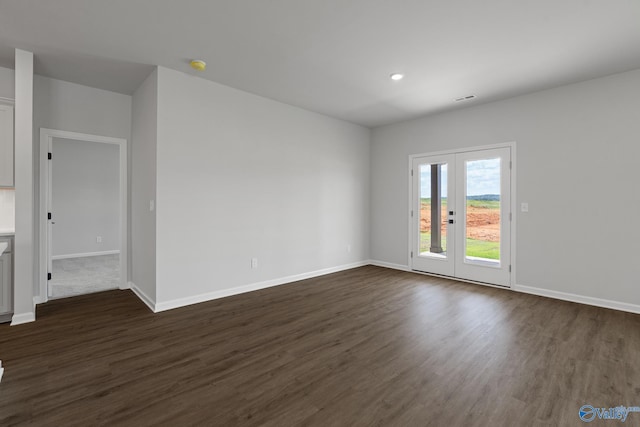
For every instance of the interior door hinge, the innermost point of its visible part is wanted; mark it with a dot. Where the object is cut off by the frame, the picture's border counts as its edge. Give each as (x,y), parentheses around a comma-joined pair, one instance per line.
(48,215)
(411,254)
(411,172)
(510,216)
(412,214)
(50,156)
(48,276)
(510,164)
(509,268)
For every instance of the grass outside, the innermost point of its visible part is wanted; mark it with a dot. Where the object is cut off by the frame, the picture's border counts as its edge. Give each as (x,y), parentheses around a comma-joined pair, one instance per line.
(475,248)
(483,249)
(489,204)
(480,212)
(425,242)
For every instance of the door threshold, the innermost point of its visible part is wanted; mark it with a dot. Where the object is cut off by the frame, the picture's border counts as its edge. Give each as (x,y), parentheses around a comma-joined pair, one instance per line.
(475,282)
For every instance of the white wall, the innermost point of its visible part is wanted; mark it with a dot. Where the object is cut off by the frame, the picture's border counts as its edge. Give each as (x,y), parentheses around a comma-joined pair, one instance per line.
(7,83)
(577,154)
(240,176)
(7,209)
(24,251)
(85,197)
(72,107)
(7,196)
(143,187)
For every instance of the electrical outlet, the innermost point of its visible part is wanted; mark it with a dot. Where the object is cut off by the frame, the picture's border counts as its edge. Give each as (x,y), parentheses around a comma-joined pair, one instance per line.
(254,262)
(99,239)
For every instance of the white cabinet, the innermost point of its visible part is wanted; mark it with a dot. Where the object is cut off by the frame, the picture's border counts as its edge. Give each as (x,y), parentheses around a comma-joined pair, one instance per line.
(6,282)
(6,145)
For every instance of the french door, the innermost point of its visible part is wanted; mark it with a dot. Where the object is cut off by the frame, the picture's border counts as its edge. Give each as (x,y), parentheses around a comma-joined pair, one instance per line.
(460,215)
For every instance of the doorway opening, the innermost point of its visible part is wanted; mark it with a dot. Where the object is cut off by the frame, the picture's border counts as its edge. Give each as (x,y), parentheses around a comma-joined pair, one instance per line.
(461,222)
(83,208)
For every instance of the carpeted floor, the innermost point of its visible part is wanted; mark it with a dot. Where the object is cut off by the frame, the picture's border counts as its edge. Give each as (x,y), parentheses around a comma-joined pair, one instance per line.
(77,276)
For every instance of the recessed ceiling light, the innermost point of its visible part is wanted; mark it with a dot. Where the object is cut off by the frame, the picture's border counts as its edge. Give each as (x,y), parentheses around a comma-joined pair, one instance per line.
(198,65)
(397,76)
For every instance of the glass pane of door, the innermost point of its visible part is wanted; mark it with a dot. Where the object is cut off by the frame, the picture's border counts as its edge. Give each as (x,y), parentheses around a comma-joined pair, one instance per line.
(433,210)
(483,210)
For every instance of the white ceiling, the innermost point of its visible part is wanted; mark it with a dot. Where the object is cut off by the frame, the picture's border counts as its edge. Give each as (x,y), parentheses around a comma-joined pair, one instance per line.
(332,56)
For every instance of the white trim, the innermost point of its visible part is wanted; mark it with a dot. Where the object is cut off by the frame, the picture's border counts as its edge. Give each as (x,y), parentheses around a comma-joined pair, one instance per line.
(410,219)
(514,214)
(598,302)
(46,138)
(85,254)
(389,265)
(181,302)
(144,297)
(19,319)
(1,370)
(464,150)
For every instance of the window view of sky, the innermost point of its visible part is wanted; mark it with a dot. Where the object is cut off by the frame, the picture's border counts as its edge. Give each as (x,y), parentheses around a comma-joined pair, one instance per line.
(483,177)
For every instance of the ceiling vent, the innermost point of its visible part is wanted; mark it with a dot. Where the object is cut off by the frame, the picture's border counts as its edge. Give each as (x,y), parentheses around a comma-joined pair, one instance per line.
(466,98)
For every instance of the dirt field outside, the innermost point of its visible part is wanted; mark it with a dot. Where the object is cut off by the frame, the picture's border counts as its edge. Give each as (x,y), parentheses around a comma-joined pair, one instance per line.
(483,227)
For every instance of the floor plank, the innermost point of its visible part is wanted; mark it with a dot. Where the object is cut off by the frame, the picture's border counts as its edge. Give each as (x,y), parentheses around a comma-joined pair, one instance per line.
(363,347)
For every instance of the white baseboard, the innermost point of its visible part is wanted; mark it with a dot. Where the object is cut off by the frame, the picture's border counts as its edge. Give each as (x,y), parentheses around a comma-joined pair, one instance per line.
(19,319)
(181,302)
(85,254)
(144,297)
(389,265)
(598,302)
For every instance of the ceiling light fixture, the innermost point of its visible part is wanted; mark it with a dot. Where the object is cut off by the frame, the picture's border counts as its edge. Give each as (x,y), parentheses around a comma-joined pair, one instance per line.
(198,65)
(396,76)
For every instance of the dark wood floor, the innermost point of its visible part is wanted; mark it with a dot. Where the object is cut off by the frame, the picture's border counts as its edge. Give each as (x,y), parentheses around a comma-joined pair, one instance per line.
(368,346)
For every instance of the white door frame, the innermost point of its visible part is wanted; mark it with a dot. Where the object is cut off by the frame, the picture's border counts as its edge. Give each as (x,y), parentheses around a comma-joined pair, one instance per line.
(46,139)
(512,146)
